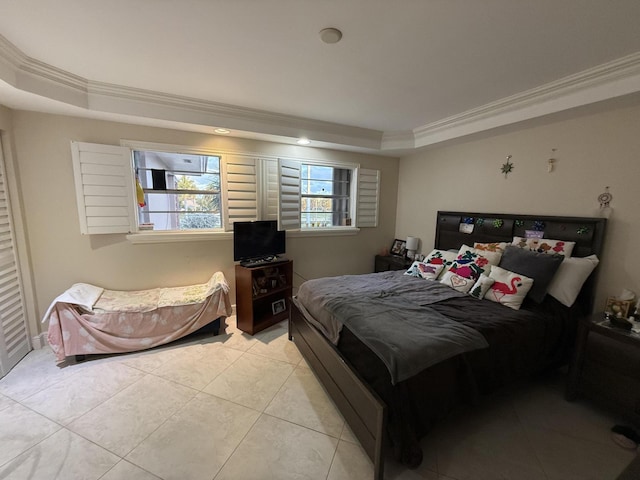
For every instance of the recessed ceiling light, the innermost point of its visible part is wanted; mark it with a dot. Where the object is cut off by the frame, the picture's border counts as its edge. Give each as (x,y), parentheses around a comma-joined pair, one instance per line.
(304,141)
(330,35)
(222,131)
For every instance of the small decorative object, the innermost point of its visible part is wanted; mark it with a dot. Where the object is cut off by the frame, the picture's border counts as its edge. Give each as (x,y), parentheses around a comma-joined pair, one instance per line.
(605,198)
(399,247)
(533,234)
(466,228)
(619,308)
(507,167)
(412,246)
(480,222)
(551,161)
(538,226)
(278,306)
(498,222)
(519,223)
(468,220)
(582,230)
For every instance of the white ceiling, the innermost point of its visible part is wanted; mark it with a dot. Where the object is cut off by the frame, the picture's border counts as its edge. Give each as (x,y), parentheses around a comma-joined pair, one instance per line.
(406,74)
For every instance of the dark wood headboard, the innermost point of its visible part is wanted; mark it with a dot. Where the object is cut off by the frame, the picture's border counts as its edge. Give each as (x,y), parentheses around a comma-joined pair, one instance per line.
(587,232)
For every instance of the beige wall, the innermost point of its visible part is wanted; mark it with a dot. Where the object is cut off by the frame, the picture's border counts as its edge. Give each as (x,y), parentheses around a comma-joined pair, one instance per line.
(592,152)
(62,256)
(5,118)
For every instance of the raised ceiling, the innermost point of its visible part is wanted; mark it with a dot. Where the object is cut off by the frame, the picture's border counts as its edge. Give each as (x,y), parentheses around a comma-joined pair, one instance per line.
(405,74)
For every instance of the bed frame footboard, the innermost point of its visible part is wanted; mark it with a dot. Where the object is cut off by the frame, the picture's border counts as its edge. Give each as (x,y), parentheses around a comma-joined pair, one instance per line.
(360,406)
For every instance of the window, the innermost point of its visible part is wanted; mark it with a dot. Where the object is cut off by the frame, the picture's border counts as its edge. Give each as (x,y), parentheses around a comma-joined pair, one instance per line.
(190,193)
(325,196)
(181,191)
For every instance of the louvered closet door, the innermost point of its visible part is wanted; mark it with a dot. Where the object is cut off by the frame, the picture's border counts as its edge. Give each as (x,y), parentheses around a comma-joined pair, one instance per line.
(14,338)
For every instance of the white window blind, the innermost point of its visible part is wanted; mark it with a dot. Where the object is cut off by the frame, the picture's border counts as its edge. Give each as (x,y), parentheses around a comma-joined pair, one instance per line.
(269,171)
(368,198)
(104,188)
(240,191)
(289,208)
(14,338)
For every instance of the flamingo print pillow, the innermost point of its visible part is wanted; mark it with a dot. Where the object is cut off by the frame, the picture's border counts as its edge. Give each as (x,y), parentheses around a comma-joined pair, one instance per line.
(508,288)
(545,245)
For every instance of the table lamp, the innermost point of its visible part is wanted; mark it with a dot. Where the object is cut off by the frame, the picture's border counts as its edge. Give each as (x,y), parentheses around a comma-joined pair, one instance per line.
(412,246)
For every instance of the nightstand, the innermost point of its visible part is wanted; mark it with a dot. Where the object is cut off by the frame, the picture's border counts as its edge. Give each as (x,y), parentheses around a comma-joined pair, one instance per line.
(606,366)
(385,263)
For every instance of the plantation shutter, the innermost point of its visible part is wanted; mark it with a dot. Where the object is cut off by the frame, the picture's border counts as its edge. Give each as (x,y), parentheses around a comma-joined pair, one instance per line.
(104,188)
(14,337)
(270,189)
(240,190)
(368,198)
(289,208)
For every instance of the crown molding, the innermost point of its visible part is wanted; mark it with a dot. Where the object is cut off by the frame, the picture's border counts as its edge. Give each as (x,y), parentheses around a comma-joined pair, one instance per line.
(33,76)
(613,79)
(604,82)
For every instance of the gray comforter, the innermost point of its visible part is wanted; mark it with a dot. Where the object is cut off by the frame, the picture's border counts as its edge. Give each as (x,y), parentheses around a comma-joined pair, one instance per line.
(389,312)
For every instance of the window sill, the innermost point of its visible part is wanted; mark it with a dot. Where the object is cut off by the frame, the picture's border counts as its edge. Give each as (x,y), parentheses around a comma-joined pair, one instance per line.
(323,232)
(170,237)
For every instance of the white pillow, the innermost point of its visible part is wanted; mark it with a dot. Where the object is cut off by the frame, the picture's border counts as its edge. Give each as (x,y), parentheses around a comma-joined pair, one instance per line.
(545,245)
(457,282)
(428,271)
(491,247)
(509,288)
(471,263)
(493,257)
(441,257)
(570,277)
(481,287)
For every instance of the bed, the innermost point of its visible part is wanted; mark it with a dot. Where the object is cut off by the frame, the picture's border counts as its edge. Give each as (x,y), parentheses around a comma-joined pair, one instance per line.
(391,407)
(87,319)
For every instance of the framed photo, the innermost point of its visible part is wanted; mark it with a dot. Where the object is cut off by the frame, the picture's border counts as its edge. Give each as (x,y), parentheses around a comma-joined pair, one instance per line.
(399,247)
(616,306)
(278,306)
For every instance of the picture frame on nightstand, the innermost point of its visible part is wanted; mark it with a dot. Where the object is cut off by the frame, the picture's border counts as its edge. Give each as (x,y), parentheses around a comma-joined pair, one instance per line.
(618,307)
(399,248)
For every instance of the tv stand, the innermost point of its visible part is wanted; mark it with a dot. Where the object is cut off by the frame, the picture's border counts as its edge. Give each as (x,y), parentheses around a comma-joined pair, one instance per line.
(258,262)
(263,294)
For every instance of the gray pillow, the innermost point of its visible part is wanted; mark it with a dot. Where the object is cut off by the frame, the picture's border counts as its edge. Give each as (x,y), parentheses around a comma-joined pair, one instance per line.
(539,266)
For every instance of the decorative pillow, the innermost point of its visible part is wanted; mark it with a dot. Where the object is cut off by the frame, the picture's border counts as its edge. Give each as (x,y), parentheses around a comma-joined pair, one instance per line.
(428,271)
(570,277)
(471,263)
(413,269)
(538,266)
(509,288)
(545,245)
(481,287)
(491,247)
(457,282)
(441,257)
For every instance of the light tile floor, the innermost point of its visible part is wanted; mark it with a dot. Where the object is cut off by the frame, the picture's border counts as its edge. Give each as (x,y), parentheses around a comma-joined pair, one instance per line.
(236,407)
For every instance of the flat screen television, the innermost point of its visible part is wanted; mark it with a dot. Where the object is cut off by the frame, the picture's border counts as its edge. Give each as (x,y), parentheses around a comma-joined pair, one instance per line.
(257,240)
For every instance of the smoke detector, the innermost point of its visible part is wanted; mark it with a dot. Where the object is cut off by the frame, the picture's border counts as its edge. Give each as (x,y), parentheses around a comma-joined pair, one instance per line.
(330,35)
